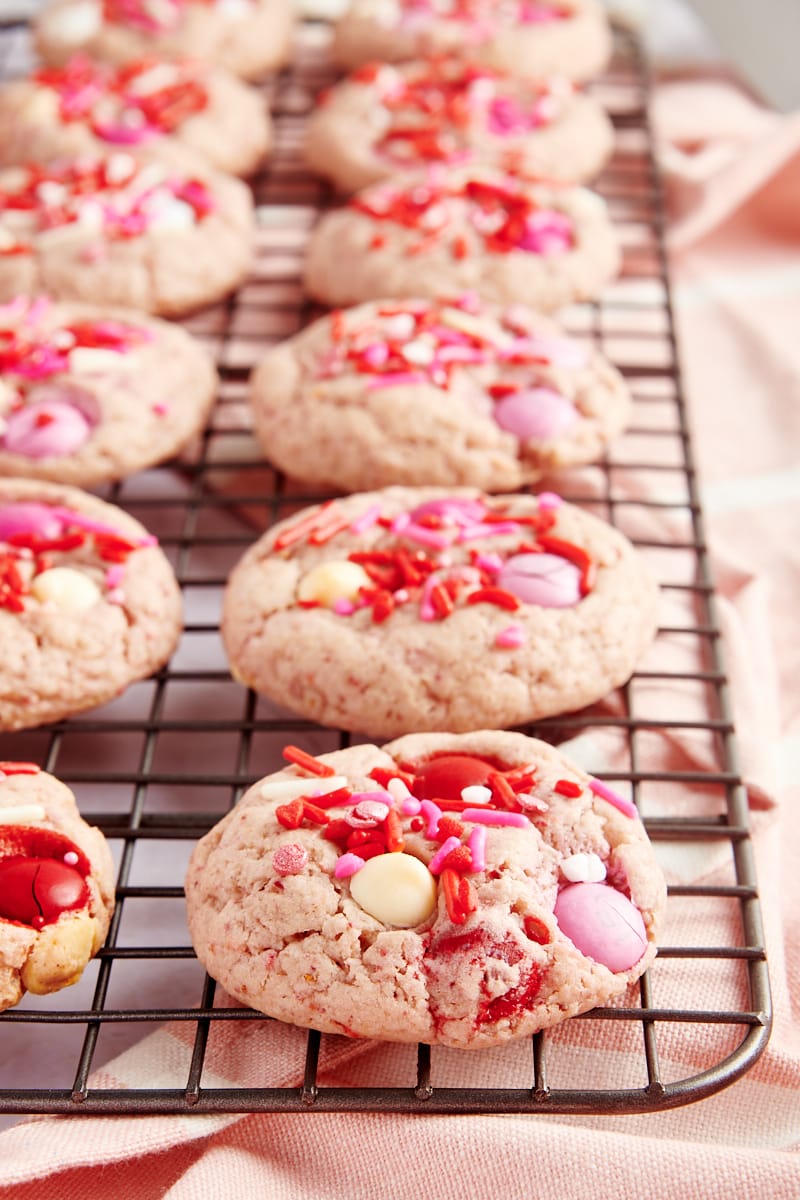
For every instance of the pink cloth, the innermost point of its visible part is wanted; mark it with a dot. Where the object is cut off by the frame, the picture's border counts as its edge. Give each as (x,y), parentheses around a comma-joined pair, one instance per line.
(734,176)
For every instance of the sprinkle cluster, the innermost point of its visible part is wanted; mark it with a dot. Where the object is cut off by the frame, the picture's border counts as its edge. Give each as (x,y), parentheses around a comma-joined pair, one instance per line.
(482,15)
(128,105)
(149,16)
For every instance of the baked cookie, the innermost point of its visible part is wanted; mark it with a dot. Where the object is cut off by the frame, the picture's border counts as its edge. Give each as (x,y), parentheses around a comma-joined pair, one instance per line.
(384,121)
(420,392)
(524,37)
(88,395)
(56,885)
(88,602)
(181,111)
(117,230)
(414,609)
(459,891)
(468,230)
(250,38)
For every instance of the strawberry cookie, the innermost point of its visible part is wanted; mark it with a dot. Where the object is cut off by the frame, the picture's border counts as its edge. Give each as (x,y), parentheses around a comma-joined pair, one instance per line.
(416,609)
(450,232)
(183,112)
(88,602)
(385,120)
(530,38)
(88,396)
(420,392)
(453,890)
(250,38)
(118,230)
(56,885)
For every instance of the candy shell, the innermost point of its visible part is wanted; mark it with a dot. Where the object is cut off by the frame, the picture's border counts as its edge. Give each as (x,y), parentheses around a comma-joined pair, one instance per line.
(536,415)
(51,428)
(602,923)
(36,891)
(28,518)
(445,777)
(544,579)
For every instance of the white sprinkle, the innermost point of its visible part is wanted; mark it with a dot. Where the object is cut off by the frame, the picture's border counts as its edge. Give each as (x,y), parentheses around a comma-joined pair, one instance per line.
(20,814)
(289,789)
(476,793)
(583,868)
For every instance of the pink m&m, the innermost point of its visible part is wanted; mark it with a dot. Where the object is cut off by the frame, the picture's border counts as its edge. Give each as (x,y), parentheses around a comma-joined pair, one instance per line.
(48,428)
(602,923)
(30,517)
(543,579)
(539,414)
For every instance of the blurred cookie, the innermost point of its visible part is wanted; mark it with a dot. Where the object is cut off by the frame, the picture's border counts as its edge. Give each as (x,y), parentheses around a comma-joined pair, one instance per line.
(88,394)
(120,231)
(250,38)
(88,602)
(183,112)
(524,37)
(384,121)
(451,232)
(419,392)
(56,885)
(417,609)
(459,891)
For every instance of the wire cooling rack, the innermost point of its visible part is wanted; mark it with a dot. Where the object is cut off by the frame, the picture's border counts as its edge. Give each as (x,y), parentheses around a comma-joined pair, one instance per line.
(157,767)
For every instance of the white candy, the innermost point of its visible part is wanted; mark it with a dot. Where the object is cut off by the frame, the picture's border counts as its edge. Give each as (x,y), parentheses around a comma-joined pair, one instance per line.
(285,790)
(90,359)
(476,793)
(21,814)
(583,868)
(396,889)
(66,588)
(175,215)
(76,23)
(332,581)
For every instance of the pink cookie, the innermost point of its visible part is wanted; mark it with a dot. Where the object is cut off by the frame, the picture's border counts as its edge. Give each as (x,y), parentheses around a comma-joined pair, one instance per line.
(369,892)
(467,230)
(116,230)
(530,38)
(384,121)
(89,603)
(419,392)
(404,610)
(248,37)
(89,394)
(187,114)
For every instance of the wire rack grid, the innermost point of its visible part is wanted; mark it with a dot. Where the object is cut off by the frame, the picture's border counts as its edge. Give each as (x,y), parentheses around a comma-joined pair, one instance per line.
(157,767)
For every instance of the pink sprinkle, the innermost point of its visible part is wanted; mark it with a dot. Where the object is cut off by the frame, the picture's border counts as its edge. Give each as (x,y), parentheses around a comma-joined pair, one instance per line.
(606,793)
(432,814)
(71,858)
(492,563)
(116,596)
(401,522)
(366,520)
(398,790)
(485,816)
(477,848)
(160,408)
(426,537)
(115,575)
(381,797)
(549,500)
(347,865)
(510,638)
(532,803)
(367,814)
(494,528)
(468,301)
(396,379)
(289,859)
(343,606)
(375,354)
(448,845)
(410,806)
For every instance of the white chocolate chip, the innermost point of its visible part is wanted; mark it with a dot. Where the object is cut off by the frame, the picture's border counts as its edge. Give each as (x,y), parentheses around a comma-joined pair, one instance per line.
(75,24)
(66,588)
(396,889)
(583,868)
(333,581)
(284,790)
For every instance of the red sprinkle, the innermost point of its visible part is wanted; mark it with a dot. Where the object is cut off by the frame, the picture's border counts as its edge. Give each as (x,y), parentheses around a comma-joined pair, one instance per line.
(459,860)
(448,827)
(382,775)
(574,554)
(441,601)
(311,812)
(394,832)
(307,762)
(459,896)
(565,787)
(19,768)
(290,815)
(536,930)
(494,595)
(503,793)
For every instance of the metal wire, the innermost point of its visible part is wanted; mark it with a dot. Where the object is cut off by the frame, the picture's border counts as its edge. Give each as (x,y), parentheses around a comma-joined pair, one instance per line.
(158,767)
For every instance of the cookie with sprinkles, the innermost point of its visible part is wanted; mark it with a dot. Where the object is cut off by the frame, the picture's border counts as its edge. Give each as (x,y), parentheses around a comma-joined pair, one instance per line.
(525,37)
(386,120)
(250,38)
(117,230)
(56,885)
(425,392)
(88,602)
(472,229)
(186,113)
(412,609)
(454,890)
(90,394)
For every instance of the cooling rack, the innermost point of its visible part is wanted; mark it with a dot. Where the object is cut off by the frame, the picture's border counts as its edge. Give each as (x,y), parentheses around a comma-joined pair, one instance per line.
(157,767)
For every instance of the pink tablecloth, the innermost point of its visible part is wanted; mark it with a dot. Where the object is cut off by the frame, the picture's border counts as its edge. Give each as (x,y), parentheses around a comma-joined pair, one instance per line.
(734,177)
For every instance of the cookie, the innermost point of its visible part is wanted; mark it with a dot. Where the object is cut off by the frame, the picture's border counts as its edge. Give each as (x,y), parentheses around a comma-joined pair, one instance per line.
(453,890)
(414,609)
(468,230)
(56,885)
(186,113)
(88,602)
(250,38)
(419,392)
(525,37)
(384,121)
(117,230)
(89,395)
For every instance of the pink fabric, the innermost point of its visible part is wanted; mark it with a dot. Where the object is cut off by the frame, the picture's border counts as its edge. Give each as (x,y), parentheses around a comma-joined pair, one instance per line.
(734,176)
